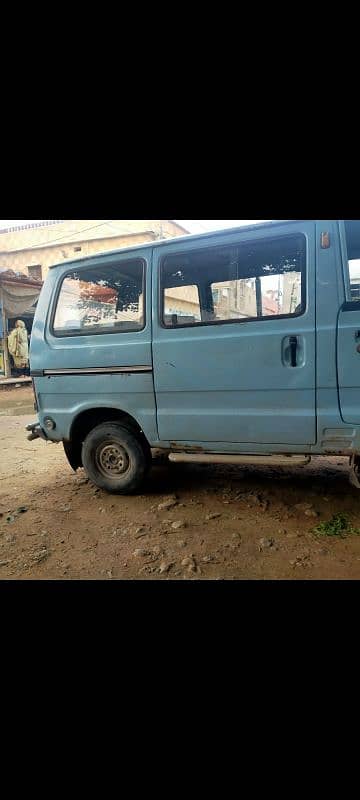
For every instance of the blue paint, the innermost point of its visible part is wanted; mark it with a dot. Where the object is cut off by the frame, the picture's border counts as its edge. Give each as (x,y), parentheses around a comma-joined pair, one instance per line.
(284,384)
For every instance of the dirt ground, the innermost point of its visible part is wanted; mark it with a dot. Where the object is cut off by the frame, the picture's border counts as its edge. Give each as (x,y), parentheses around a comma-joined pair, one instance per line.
(217,523)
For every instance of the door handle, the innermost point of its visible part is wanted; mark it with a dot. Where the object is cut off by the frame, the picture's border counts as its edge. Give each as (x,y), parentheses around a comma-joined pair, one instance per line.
(293,341)
(293,352)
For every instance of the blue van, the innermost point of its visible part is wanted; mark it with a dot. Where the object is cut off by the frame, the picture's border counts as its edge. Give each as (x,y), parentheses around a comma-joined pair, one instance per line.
(240,346)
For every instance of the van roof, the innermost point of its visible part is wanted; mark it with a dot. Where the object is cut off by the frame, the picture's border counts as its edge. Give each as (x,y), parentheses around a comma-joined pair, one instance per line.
(165,242)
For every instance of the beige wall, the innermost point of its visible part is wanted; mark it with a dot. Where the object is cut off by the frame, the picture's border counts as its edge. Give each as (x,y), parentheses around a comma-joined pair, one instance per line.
(54,244)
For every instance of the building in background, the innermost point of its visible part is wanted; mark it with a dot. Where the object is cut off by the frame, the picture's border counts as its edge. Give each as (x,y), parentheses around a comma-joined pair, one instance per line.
(18,297)
(28,251)
(33,248)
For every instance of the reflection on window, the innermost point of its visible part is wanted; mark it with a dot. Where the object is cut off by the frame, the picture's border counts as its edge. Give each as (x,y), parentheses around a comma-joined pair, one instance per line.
(249,281)
(354,269)
(352,230)
(181,306)
(268,296)
(102,299)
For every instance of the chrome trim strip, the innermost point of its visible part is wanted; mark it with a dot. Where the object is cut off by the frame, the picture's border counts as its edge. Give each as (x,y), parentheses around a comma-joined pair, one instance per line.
(96,370)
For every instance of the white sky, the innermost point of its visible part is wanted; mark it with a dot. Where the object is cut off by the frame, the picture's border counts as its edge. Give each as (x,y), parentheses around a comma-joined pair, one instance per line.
(193,225)
(202,225)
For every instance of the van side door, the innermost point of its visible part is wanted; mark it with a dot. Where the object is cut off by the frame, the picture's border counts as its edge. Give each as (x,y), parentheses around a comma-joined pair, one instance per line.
(234,338)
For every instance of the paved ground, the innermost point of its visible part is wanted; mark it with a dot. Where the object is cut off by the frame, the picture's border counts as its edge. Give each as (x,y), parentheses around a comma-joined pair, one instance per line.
(191,522)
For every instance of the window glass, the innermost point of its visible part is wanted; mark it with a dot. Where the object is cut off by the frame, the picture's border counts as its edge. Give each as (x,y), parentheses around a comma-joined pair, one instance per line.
(352,229)
(101,300)
(254,280)
(181,306)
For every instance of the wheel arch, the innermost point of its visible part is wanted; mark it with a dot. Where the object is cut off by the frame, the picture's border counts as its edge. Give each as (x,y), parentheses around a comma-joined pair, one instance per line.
(88,419)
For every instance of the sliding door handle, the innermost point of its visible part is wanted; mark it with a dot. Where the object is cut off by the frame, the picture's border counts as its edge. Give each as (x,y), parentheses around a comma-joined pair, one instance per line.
(293,352)
(293,342)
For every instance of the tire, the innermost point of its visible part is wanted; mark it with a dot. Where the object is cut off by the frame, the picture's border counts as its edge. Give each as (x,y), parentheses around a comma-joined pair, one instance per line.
(115,458)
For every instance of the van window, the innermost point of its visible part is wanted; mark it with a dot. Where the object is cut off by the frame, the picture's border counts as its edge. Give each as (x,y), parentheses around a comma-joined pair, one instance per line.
(249,281)
(106,299)
(352,230)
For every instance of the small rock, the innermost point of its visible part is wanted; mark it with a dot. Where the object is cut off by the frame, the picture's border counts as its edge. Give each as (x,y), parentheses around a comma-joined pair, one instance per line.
(40,556)
(254,499)
(109,573)
(207,559)
(140,553)
(170,502)
(190,563)
(181,543)
(140,532)
(212,516)
(179,524)
(165,567)
(187,562)
(310,513)
(303,506)
(266,544)
(4,563)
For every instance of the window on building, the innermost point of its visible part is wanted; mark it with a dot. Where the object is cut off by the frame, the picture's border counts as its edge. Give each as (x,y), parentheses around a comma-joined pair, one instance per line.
(35,271)
(107,299)
(254,280)
(352,230)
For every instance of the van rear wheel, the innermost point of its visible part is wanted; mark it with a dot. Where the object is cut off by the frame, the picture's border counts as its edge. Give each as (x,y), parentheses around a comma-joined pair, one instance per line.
(115,458)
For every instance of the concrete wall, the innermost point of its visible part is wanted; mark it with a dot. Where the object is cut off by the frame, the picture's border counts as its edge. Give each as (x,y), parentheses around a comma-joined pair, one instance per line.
(54,244)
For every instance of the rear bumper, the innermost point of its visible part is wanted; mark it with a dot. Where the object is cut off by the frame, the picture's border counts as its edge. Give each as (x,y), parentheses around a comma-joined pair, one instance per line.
(36,432)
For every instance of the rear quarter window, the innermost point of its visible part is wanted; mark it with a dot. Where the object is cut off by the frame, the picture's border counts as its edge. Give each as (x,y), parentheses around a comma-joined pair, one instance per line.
(102,299)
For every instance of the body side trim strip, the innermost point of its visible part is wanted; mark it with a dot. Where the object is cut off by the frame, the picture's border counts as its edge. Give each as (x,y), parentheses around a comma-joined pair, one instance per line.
(90,371)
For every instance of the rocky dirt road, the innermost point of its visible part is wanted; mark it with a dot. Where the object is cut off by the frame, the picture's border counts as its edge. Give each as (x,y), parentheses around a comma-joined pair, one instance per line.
(191,522)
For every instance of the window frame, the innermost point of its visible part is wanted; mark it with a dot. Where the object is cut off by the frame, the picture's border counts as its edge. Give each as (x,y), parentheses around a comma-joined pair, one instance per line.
(350,304)
(72,333)
(212,323)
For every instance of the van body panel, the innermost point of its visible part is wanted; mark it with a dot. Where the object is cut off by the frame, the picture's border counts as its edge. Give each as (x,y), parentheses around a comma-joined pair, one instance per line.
(348,331)
(64,396)
(217,388)
(349,365)
(229,382)
(132,394)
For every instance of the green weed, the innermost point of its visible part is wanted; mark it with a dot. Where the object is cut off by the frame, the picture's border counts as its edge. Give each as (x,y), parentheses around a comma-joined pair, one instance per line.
(339,525)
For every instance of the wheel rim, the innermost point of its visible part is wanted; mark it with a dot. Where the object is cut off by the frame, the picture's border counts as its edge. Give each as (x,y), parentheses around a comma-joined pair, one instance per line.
(112,460)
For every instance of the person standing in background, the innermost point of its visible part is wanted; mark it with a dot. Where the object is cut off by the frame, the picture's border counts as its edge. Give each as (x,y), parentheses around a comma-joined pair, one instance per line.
(19,347)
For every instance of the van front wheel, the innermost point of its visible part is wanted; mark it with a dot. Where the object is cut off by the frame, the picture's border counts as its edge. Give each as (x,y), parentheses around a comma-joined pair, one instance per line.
(114,458)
